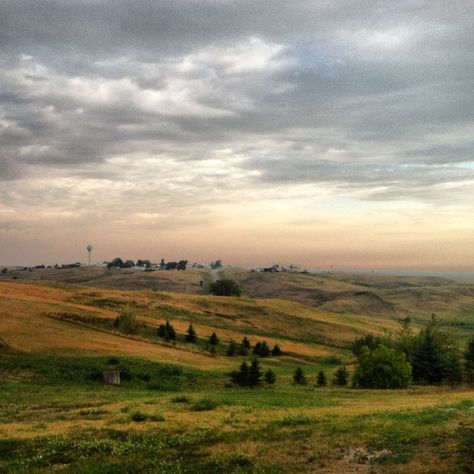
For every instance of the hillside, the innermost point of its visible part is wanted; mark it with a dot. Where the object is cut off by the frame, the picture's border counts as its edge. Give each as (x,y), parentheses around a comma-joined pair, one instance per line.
(174,411)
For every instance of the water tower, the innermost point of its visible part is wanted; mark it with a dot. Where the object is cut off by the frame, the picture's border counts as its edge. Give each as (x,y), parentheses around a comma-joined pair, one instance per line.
(89,249)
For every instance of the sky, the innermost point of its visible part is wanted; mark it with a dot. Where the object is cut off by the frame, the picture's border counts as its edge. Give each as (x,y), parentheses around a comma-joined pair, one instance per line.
(317,133)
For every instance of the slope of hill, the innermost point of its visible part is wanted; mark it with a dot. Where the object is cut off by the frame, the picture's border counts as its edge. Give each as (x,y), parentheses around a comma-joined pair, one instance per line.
(173,412)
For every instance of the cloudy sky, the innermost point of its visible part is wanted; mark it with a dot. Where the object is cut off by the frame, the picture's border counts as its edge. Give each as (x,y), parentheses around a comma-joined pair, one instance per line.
(323,132)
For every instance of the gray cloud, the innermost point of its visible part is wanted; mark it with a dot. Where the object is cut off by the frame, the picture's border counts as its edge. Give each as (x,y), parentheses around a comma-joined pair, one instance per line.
(373,101)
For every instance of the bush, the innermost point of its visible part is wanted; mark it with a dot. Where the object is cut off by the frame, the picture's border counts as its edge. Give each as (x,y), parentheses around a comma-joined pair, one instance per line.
(225,287)
(382,368)
(127,322)
(114,361)
(368,340)
(204,404)
(138,416)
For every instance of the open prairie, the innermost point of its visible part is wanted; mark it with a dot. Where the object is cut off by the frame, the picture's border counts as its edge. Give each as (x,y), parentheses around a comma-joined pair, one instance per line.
(174,410)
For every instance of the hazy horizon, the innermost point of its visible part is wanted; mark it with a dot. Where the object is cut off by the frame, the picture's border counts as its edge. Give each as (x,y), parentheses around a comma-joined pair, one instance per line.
(314,133)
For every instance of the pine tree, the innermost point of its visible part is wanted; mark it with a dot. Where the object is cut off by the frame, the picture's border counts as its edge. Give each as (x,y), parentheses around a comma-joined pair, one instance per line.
(341,376)
(246,343)
(469,358)
(254,374)
(299,377)
(231,349)
(190,334)
(276,351)
(171,331)
(244,347)
(213,340)
(269,377)
(321,379)
(241,376)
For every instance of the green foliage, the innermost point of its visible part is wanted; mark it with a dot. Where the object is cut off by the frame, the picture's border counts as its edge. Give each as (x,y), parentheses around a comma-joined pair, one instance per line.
(261,349)
(138,416)
(469,359)
(299,377)
(382,367)
(213,339)
(225,287)
(167,331)
(244,347)
(231,350)
(434,356)
(190,334)
(127,322)
(321,379)
(269,377)
(276,351)
(204,404)
(247,376)
(341,377)
(368,340)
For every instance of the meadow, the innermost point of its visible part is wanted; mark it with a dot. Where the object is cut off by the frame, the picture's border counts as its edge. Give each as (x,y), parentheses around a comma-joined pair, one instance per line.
(175,411)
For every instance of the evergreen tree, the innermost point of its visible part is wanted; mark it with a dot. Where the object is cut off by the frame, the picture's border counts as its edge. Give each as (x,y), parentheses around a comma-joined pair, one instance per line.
(231,349)
(341,376)
(254,374)
(166,331)
(246,343)
(270,377)
(261,349)
(299,377)
(276,351)
(469,358)
(190,334)
(321,379)
(368,340)
(244,347)
(213,340)
(241,376)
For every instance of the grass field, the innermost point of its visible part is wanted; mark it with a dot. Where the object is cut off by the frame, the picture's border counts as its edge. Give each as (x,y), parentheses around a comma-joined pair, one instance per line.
(174,413)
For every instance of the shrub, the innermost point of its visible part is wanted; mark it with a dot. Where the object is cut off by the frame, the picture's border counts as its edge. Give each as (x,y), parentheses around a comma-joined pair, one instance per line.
(181,399)
(225,287)
(368,340)
(127,322)
(469,358)
(114,361)
(382,368)
(138,416)
(204,404)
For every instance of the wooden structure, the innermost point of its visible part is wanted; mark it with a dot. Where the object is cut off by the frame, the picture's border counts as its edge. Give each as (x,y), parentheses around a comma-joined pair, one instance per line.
(111,377)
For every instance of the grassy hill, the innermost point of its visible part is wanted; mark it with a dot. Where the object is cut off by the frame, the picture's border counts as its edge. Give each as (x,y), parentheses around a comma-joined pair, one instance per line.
(173,413)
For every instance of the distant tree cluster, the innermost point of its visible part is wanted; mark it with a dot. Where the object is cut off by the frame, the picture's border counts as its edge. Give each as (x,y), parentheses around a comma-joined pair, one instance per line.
(167,332)
(427,357)
(119,263)
(250,375)
(217,264)
(340,377)
(260,349)
(225,287)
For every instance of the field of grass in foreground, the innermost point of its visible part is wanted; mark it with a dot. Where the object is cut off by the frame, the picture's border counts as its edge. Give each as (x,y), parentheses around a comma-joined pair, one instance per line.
(56,415)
